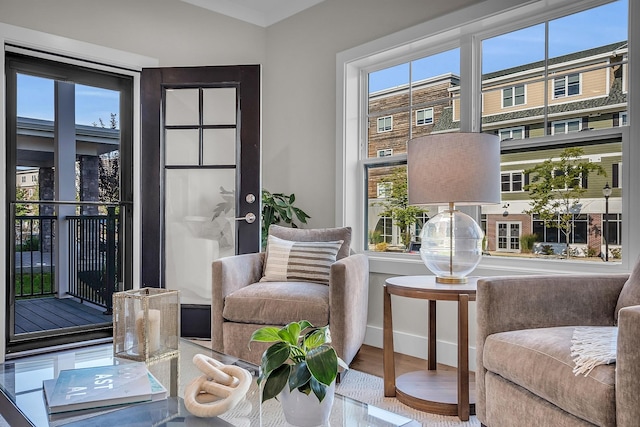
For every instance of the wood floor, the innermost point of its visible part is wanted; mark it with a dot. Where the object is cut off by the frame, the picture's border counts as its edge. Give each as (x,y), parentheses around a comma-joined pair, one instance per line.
(369,360)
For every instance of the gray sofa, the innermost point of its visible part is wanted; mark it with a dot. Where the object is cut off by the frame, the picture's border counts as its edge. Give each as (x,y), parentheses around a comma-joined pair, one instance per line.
(524,364)
(241,303)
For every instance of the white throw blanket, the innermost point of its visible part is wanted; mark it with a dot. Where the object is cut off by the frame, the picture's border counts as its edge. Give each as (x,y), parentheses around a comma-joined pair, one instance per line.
(593,346)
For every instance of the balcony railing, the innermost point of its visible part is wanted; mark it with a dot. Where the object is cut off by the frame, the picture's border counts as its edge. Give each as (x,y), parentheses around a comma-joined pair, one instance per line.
(92,259)
(34,273)
(93,266)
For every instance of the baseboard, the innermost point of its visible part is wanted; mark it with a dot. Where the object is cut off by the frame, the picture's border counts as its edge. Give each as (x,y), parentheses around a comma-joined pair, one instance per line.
(416,346)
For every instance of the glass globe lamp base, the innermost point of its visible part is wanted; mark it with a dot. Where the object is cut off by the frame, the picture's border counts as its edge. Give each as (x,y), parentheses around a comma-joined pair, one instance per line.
(451,246)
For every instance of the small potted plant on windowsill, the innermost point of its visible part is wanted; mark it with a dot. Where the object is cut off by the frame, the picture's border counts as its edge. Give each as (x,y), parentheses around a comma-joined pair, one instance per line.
(299,369)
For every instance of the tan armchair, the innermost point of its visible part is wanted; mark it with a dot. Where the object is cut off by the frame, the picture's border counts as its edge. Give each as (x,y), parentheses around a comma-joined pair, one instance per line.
(524,370)
(241,303)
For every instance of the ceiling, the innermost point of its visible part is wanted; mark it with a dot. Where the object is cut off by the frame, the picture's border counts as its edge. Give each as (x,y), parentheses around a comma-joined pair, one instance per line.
(258,12)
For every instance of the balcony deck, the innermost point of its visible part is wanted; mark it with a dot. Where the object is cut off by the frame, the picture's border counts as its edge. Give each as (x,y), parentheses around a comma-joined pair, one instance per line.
(41,314)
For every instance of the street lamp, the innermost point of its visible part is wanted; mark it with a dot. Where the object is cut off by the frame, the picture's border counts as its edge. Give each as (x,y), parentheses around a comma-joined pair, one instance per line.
(606,192)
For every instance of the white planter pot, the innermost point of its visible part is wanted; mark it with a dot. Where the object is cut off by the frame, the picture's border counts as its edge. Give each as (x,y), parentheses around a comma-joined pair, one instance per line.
(305,410)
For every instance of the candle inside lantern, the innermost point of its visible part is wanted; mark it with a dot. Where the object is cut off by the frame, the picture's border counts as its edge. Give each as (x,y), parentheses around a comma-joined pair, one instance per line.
(153,324)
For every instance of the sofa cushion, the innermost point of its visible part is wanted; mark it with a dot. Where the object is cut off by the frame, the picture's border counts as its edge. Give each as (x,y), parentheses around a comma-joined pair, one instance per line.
(278,303)
(299,261)
(630,294)
(540,361)
(316,235)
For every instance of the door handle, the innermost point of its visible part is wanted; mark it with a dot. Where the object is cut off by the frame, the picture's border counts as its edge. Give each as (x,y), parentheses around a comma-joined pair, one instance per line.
(250,218)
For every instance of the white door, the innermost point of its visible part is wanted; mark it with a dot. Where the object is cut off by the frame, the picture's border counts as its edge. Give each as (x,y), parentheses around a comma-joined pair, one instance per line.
(508,238)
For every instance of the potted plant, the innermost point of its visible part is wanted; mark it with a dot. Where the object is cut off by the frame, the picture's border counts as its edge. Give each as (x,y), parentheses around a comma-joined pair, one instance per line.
(299,369)
(279,208)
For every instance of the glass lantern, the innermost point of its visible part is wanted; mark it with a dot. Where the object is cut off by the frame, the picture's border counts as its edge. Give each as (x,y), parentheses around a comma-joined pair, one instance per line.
(146,324)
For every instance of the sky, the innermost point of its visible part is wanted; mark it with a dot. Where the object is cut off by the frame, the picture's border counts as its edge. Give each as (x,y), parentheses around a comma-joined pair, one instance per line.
(591,28)
(35,100)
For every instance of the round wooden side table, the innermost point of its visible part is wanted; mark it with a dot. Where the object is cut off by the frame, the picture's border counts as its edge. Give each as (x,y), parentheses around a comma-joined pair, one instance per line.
(445,392)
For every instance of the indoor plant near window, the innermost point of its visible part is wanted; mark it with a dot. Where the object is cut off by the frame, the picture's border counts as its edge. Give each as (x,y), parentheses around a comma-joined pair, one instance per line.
(278,208)
(300,369)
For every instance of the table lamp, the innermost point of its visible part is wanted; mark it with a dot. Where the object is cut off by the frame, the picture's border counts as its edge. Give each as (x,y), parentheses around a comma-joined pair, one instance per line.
(453,169)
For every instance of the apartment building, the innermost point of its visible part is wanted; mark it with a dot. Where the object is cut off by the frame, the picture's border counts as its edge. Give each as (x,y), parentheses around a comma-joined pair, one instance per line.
(578,92)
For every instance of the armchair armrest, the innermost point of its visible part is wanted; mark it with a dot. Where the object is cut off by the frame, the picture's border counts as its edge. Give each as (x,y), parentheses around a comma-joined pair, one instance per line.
(628,367)
(230,274)
(348,304)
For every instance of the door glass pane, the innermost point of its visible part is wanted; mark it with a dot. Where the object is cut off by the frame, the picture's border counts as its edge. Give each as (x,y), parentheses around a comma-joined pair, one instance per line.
(181,107)
(199,228)
(219,106)
(182,147)
(219,147)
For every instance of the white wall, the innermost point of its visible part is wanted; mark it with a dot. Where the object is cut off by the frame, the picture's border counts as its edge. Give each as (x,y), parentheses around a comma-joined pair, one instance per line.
(174,32)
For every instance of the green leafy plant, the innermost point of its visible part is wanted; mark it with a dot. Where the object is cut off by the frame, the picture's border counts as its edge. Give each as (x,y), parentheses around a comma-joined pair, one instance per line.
(556,187)
(396,205)
(278,208)
(301,357)
(527,241)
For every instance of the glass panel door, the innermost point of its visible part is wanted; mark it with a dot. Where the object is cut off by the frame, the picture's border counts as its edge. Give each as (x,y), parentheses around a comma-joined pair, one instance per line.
(200,138)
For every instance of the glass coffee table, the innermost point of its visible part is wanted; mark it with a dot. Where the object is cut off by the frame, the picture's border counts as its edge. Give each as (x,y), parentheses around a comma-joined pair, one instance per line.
(22,400)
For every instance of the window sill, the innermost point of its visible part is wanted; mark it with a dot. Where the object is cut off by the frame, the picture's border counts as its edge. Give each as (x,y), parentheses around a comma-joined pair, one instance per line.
(411,264)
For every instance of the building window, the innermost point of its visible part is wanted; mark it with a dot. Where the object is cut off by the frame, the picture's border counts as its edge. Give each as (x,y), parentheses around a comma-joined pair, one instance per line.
(421,220)
(384,230)
(616,175)
(387,152)
(511,181)
(385,124)
(424,117)
(511,133)
(513,96)
(565,126)
(613,222)
(550,231)
(383,190)
(23,178)
(34,178)
(623,119)
(508,236)
(566,86)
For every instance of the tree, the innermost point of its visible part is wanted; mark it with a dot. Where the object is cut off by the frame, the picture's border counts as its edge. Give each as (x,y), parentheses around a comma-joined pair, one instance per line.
(555,188)
(109,167)
(396,204)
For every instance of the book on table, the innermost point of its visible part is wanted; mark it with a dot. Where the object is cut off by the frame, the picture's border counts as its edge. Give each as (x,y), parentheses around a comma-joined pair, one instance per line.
(102,386)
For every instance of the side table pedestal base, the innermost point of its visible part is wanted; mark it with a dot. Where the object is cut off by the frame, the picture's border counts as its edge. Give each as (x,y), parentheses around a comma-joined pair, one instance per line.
(433,391)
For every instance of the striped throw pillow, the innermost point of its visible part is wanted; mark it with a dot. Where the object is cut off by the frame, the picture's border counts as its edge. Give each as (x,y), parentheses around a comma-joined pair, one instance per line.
(289,261)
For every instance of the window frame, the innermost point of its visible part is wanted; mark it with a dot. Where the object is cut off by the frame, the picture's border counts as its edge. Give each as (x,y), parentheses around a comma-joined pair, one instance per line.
(384,125)
(514,96)
(567,85)
(510,130)
(511,181)
(466,29)
(424,109)
(566,126)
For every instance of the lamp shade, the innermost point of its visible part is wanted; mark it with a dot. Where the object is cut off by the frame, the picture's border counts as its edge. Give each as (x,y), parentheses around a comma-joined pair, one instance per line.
(463,168)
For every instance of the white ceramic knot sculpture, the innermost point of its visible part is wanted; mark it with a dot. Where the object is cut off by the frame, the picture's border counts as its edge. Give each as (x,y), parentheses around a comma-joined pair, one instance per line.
(221,387)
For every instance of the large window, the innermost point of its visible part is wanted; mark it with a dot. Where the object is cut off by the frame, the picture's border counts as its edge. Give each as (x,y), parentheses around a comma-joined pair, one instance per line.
(553,89)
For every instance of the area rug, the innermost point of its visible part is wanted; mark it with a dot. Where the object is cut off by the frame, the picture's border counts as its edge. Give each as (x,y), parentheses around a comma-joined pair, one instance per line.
(369,389)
